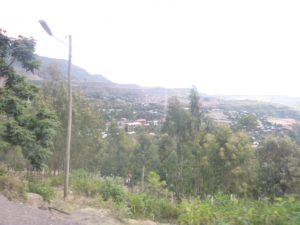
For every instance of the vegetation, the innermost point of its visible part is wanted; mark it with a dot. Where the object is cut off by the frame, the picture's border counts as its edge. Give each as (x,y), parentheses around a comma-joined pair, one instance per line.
(27,122)
(191,171)
(42,188)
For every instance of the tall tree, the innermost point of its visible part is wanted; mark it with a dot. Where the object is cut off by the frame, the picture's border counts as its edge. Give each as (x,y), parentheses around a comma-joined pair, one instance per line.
(27,122)
(279,160)
(177,127)
(116,159)
(196,110)
(145,156)
(87,144)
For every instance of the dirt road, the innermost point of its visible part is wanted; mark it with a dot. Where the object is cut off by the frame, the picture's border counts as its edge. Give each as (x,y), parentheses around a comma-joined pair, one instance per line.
(13,213)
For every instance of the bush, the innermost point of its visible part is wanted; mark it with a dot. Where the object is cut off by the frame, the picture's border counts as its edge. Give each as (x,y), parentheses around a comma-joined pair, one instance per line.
(149,206)
(42,188)
(111,188)
(194,212)
(107,187)
(14,158)
(12,187)
(223,210)
(156,186)
(84,184)
(56,180)
(3,170)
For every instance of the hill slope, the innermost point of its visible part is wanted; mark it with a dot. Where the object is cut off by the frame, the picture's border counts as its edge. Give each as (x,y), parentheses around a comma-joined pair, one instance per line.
(62,66)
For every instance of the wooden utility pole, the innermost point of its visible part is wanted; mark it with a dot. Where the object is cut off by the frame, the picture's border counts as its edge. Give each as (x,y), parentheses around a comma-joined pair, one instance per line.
(69,131)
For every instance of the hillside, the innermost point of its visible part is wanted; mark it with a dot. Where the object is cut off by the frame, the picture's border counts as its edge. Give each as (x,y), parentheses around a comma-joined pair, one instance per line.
(98,86)
(78,73)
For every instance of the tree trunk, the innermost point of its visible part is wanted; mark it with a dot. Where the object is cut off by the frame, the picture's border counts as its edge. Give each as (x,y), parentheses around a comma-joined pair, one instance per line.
(143,178)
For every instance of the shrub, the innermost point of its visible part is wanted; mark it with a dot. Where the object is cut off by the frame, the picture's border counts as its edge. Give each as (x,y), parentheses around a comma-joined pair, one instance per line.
(111,188)
(12,187)
(84,184)
(56,180)
(42,188)
(3,170)
(149,206)
(194,212)
(14,159)
(224,210)
(156,186)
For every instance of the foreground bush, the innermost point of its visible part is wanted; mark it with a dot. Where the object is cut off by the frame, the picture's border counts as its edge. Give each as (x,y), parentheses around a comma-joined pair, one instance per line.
(149,206)
(42,188)
(12,187)
(107,187)
(111,188)
(56,181)
(223,210)
(84,184)
(217,210)
(3,170)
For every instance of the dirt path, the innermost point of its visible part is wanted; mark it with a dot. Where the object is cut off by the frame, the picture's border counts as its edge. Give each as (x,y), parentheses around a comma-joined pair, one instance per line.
(15,213)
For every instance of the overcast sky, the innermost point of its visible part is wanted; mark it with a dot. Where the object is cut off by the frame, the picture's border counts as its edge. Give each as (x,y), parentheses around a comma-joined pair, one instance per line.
(221,46)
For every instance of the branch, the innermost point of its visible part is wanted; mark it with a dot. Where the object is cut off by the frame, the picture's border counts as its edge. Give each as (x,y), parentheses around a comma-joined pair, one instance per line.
(12,61)
(58,210)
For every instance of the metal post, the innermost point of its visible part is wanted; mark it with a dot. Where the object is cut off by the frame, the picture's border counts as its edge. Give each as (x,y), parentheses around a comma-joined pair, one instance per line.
(69,131)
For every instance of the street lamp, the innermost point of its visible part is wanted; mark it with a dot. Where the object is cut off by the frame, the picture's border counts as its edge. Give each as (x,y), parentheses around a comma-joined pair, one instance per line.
(67,151)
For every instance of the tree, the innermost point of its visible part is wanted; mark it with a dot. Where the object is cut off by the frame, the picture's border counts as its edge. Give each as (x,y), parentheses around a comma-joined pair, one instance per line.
(177,126)
(196,111)
(145,157)
(87,145)
(295,133)
(117,154)
(232,162)
(247,122)
(54,91)
(28,122)
(279,161)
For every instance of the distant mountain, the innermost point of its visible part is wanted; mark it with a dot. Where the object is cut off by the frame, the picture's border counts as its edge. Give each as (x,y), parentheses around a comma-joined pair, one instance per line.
(99,86)
(77,73)
(275,99)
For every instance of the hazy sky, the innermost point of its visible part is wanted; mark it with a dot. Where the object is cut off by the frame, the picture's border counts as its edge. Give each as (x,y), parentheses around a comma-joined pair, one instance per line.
(221,46)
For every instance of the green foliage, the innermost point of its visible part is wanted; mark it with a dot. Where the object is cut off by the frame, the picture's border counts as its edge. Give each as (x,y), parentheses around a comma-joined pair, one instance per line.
(27,123)
(14,158)
(111,188)
(85,184)
(56,180)
(3,169)
(12,187)
(107,188)
(196,110)
(194,212)
(150,206)
(279,166)
(42,188)
(156,186)
(231,162)
(117,154)
(247,122)
(222,209)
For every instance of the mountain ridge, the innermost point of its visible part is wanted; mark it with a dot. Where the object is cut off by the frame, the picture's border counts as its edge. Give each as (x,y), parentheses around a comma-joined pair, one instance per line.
(100,85)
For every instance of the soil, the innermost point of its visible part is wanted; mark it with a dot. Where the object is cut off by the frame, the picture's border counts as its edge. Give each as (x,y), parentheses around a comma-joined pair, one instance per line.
(16,213)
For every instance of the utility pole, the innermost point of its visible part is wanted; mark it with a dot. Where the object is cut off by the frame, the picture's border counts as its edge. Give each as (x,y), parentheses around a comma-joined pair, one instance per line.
(69,132)
(69,128)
